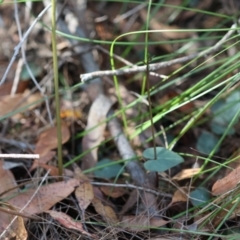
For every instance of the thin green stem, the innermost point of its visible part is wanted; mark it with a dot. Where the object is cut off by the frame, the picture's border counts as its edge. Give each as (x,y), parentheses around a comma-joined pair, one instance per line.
(56,87)
(146,45)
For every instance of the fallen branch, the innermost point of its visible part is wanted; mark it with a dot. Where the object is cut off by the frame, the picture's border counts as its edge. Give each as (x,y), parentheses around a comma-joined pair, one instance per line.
(156,66)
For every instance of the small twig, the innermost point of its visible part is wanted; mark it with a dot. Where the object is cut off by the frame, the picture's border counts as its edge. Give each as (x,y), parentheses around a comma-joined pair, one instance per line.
(126,62)
(127,185)
(164,136)
(16,155)
(155,66)
(17,76)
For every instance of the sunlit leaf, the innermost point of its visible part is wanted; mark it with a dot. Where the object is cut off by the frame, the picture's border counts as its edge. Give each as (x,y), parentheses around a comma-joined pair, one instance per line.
(186,173)
(181,195)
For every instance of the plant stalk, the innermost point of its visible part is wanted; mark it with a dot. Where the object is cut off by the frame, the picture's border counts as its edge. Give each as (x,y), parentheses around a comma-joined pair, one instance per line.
(56,88)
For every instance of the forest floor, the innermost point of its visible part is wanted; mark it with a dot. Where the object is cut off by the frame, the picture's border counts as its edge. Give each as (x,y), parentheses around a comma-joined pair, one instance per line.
(141,138)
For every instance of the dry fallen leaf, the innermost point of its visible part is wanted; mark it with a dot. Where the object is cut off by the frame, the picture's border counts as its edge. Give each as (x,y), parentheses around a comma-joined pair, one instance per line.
(186,173)
(95,128)
(84,192)
(106,212)
(68,222)
(48,139)
(141,222)
(44,198)
(132,199)
(46,142)
(227,183)
(179,196)
(10,103)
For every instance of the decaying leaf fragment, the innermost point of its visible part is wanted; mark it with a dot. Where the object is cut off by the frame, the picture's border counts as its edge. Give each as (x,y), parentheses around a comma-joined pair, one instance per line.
(186,173)
(141,222)
(105,211)
(227,183)
(180,196)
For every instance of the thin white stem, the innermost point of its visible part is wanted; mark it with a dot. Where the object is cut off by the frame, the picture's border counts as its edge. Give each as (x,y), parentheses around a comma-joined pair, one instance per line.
(16,155)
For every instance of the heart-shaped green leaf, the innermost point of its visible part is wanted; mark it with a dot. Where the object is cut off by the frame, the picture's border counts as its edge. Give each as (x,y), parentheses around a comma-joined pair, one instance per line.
(224,111)
(206,142)
(165,159)
(200,196)
(108,170)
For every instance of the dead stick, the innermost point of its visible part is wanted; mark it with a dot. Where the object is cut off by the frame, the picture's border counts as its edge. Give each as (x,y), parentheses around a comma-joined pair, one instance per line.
(155,66)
